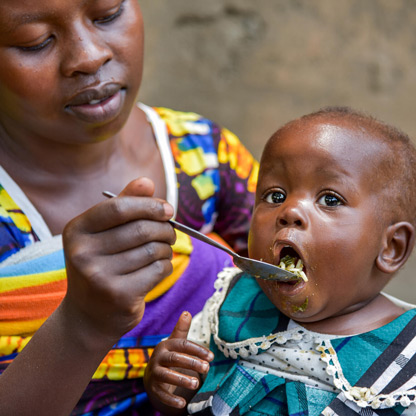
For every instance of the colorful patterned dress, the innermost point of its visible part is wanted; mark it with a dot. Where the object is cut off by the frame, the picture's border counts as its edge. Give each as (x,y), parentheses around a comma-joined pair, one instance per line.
(211,175)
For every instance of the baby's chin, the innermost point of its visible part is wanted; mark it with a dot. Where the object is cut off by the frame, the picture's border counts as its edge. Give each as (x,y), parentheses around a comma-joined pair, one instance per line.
(300,310)
(293,302)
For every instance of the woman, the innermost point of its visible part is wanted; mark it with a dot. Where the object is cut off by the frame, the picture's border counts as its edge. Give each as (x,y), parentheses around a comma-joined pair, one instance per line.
(70,129)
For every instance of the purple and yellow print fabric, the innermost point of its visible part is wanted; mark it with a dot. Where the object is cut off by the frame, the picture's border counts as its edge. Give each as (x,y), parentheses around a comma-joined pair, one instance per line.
(216,176)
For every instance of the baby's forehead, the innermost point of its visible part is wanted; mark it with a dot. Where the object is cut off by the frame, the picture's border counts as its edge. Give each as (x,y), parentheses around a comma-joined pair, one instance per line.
(332,136)
(330,148)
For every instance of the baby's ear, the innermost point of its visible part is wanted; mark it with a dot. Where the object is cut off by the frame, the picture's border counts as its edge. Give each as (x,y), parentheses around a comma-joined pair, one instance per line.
(398,243)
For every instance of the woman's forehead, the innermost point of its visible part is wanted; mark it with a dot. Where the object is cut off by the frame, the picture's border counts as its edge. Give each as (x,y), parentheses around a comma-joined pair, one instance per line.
(27,11)
(18,12)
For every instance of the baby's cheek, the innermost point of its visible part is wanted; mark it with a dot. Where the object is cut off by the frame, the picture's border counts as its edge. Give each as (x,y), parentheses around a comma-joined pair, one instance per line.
(271,291)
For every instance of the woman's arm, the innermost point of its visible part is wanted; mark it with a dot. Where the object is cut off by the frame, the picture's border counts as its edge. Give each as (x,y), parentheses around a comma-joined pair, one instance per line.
(115,253)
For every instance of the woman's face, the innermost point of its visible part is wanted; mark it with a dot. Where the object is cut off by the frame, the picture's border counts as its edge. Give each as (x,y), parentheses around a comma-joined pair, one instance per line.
(70,69)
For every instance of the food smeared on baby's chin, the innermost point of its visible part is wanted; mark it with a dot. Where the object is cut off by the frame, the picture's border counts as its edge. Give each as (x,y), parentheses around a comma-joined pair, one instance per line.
(301,308)
(289,308)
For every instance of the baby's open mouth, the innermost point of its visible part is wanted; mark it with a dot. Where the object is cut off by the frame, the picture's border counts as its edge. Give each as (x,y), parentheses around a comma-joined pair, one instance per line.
(290,261)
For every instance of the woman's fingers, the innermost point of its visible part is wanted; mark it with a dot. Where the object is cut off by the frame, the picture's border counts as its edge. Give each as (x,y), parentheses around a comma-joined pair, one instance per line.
(122,210)
(130,235)
(115,253)
(134,260)
(141,186)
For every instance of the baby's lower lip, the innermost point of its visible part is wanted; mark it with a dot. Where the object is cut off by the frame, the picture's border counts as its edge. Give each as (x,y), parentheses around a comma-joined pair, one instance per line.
(290,288)
(100,112)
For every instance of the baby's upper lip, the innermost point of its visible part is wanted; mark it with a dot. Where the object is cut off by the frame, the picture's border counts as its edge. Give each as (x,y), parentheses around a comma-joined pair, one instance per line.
(88,94)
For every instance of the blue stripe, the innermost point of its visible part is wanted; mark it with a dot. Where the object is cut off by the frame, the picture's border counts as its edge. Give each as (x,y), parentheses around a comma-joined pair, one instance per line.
(51,262)
(275,401)
(343,343)
(123,405)
(246,374)
(237,335)
(266,387)
(8,357)
(222,362)
(145,341)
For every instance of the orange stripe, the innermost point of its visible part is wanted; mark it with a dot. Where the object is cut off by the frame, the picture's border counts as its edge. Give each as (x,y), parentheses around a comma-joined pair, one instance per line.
(218,239)
(35,290)
(31,303)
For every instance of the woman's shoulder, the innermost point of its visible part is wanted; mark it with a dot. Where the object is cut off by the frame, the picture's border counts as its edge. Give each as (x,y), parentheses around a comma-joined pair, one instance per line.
(195,126)
(181,123)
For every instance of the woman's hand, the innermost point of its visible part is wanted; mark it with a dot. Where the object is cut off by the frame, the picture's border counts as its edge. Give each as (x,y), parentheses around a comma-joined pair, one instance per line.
(115,253)
(173,373)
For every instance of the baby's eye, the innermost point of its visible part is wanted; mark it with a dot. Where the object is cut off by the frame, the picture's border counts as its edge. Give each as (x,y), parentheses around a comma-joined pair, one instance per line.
(275,197)
(330,200)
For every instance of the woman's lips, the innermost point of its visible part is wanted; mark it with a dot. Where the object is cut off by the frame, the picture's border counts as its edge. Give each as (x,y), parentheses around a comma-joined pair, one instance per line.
(97,107)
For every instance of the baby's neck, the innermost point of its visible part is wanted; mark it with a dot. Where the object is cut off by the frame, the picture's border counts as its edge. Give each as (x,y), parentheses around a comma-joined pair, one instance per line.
(378,312)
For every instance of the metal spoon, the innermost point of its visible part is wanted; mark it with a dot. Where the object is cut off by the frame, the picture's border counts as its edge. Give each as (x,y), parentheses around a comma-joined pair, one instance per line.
(254,267)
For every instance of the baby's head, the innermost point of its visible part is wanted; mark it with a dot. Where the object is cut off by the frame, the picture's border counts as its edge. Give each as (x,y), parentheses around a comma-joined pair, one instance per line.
(336,189)
(70,69)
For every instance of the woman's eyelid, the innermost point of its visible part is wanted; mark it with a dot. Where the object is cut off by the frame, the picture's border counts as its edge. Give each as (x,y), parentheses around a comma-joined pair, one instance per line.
(42,41)
(111,14)
(35,45)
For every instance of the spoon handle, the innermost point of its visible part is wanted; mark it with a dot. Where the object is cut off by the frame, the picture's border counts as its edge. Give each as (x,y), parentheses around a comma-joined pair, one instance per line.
(202,237)
(189,231)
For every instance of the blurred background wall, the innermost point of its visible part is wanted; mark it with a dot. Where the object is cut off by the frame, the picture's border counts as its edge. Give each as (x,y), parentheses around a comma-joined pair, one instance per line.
(252,65)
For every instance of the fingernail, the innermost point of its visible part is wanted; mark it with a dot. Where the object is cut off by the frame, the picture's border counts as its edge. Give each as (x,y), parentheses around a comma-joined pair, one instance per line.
(186,314)
(181,402)
(195,383)
(168,210)
(205,367)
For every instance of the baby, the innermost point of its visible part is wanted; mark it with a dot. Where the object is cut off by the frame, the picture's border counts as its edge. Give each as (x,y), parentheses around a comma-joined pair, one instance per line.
(336,190)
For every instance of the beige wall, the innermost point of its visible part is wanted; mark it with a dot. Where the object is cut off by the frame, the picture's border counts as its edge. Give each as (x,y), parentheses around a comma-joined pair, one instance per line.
(252,65)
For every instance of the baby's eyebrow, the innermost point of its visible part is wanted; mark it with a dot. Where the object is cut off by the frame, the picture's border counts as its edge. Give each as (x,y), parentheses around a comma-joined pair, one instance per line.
(341,178)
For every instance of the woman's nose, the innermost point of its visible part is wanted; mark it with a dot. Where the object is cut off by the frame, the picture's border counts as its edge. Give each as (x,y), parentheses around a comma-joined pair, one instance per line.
(292,213)
(86,53)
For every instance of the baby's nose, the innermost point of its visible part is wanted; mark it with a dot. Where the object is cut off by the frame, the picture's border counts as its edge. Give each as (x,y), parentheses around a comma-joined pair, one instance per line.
(283,221)
(292,213)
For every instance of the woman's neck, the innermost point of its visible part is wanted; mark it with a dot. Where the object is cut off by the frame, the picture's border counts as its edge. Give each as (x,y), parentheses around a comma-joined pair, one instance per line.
(64,180)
